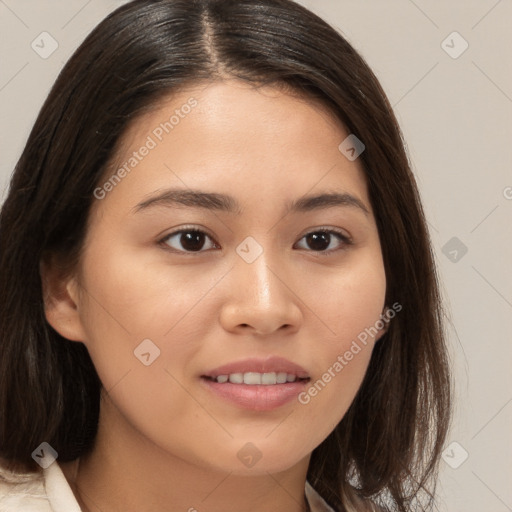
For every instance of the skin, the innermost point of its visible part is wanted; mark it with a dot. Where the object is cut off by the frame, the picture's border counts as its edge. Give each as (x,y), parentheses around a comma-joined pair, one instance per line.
(164,441)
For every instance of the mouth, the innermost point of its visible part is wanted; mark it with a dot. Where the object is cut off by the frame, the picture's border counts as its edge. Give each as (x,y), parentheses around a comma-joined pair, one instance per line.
(257,384)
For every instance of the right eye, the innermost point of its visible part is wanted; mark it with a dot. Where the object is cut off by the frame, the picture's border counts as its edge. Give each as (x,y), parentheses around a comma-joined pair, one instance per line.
(188,240)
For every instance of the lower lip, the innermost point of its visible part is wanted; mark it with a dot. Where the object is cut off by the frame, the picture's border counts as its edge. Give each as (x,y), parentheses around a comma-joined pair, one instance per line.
(256,397)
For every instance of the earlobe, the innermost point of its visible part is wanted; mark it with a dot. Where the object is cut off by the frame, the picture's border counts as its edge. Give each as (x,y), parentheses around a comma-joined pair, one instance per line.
(384,320)
(382,332)
(61,300)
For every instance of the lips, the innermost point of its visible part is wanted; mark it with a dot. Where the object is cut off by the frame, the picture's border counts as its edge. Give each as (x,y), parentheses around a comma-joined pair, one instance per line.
(257,384)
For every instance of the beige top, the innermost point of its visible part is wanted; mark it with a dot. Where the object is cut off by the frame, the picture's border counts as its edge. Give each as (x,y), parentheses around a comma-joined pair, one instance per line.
(49,491)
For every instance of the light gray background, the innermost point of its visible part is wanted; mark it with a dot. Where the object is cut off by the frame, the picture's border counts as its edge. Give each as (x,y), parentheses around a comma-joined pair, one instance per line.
(456,117)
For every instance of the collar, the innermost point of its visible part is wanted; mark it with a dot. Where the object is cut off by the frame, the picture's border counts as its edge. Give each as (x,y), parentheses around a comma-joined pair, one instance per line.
(49,491)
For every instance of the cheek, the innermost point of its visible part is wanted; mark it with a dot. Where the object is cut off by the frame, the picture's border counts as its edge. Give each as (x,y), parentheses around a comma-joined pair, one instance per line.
(127,310)
(128,292)
(348,300)
(350,307)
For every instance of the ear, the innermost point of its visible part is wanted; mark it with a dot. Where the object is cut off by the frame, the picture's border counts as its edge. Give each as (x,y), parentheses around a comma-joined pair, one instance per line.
(61,299)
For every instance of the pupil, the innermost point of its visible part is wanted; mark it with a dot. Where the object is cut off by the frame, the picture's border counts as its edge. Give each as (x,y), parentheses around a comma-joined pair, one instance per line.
(318,241)
(192,240)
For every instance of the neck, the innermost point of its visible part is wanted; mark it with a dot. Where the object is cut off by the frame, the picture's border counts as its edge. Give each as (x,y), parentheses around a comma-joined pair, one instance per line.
(128,472)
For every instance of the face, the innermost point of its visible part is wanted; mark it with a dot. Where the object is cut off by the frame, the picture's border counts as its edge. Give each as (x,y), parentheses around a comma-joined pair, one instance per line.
(256,284)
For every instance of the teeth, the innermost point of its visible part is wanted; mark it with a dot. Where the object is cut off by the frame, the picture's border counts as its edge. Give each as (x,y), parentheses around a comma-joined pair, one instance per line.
(255,378)
(268,378)
(236,378)
(281,378)
(252,378)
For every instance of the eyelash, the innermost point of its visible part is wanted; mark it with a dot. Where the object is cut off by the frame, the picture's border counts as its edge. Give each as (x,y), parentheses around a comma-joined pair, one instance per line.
(346,241)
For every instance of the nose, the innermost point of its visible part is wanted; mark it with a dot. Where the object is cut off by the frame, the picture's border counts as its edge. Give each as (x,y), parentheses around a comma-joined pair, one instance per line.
(260,299)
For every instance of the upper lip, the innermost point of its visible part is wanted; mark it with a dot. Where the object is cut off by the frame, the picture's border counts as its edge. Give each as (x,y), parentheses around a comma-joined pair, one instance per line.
(268,365)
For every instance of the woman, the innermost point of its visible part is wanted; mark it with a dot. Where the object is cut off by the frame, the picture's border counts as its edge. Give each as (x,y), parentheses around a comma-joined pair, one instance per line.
(219,291)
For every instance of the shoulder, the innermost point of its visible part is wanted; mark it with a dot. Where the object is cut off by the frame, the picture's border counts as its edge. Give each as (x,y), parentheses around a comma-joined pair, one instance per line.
(318,504)
(22,492)
(365,505)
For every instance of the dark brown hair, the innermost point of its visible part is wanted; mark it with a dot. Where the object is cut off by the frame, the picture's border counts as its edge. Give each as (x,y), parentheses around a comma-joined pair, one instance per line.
(387,446)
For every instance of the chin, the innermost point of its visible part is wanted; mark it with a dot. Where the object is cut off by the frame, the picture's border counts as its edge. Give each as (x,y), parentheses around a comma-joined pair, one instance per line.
(249,460)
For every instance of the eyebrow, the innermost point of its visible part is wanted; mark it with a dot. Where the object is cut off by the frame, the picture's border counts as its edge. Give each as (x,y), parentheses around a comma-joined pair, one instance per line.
(226,203)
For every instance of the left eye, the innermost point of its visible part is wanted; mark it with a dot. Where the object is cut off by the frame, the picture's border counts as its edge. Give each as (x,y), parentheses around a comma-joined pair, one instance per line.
(321,240)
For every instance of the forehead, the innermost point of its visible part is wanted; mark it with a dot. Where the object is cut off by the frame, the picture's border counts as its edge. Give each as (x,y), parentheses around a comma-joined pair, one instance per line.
(233,137)
(272,110)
